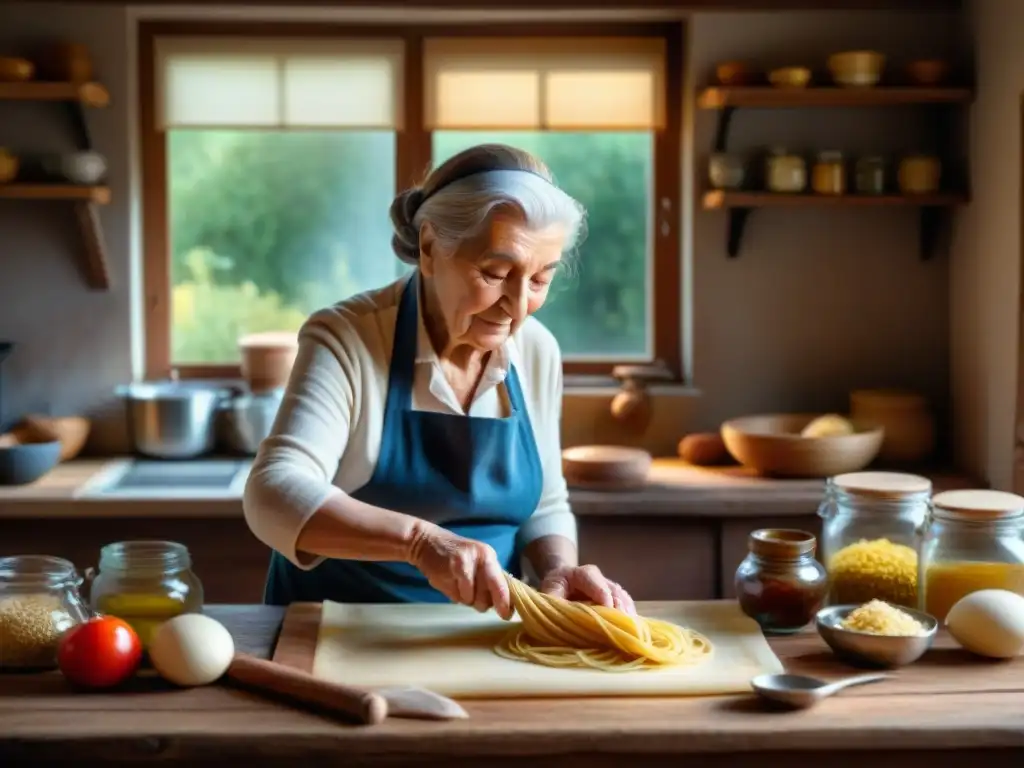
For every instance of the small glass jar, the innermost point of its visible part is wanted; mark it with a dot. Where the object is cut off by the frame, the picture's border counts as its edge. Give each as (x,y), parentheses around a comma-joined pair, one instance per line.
(726,171)
(39,602)
(785,172)
(829,174)
(919,174)
(145,583)
(972,540)
(779,584)
(871,523)
(869,175)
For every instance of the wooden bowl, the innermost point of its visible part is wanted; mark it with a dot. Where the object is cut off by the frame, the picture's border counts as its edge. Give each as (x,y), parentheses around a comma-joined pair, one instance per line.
(16,70)
(927,72)
(856,68)
(605,466)
(790,77)
(772,445)
(735,73)
(70,431)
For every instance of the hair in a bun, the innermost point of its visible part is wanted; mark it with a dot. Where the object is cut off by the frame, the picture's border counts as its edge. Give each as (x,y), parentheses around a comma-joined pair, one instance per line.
(406,240)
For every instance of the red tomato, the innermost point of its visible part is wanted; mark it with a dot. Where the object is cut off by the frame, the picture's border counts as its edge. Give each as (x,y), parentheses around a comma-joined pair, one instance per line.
(100,653)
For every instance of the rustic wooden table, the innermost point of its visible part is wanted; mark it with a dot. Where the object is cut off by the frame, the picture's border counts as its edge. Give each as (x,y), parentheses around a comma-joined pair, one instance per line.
(943,711)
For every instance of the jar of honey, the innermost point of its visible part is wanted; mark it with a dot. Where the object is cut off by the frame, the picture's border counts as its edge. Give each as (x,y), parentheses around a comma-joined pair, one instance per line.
(973,539)
(145,583)
(829,174)
(779,584)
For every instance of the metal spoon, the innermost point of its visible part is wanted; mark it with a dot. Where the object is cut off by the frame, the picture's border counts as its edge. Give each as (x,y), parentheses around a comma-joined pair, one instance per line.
(800,691)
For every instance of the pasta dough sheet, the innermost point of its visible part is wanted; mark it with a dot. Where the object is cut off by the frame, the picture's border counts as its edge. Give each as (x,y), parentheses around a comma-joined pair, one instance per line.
(450,649)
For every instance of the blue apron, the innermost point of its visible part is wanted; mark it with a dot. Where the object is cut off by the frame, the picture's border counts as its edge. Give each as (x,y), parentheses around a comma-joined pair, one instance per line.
(478,477)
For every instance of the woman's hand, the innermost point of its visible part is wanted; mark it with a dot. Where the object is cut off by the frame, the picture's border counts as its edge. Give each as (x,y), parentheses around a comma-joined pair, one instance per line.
(586,583)
(463,570)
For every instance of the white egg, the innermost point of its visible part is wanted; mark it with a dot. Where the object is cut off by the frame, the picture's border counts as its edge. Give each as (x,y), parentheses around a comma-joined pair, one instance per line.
(191,649)
(989,622)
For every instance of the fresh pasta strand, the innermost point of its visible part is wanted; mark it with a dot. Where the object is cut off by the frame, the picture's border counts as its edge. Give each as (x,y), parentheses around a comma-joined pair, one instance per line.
(562,633)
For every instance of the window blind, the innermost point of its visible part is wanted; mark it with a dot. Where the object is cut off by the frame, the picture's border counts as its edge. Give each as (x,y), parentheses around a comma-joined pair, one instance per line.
(219,82)
(568,84)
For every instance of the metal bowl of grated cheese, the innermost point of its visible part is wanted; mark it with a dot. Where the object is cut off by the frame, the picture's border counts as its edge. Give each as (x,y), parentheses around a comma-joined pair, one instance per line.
(876,633)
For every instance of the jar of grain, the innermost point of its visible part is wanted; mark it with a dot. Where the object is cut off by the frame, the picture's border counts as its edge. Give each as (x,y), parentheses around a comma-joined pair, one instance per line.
(829,174)
(871,523)
(785,172)
(919,174)
(972,539)
(145,583)
(39,602)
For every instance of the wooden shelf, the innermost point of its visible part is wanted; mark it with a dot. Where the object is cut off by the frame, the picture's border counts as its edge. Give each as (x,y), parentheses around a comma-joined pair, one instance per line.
(86,94)
(718,199)
(75,192)
(86,200)
(769,97)
(932,210)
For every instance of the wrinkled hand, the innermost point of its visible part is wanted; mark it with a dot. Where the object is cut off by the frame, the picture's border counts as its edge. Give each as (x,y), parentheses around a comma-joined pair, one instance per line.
(463,570)
(586,583)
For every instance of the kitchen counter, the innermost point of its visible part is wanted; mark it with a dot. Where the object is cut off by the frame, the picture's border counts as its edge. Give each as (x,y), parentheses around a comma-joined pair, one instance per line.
(873,725)
(674,488)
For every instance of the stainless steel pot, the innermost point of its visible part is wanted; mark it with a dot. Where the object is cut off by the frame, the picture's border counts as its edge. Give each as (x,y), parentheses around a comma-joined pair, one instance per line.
(246,420)
(172,420)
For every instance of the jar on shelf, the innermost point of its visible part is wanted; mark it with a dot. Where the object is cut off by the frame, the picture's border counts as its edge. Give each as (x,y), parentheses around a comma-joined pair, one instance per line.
(779,584)
(869,175)
(785,172)
(919,174)
(726,171)
(829,174)
(972,539)
(145,583)
(871,523)
(39,602)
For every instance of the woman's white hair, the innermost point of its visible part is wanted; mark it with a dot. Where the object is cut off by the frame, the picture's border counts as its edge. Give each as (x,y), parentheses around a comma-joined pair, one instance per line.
(459,198)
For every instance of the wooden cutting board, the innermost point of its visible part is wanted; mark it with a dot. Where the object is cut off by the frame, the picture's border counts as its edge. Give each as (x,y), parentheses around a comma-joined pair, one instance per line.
(450,649)
(946,669)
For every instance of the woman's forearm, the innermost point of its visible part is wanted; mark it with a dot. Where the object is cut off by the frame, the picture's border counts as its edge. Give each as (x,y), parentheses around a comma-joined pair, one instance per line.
(348,529)
(550,552)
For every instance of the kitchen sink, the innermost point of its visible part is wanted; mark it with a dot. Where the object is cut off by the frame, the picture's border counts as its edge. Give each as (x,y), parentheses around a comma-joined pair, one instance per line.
(144,478)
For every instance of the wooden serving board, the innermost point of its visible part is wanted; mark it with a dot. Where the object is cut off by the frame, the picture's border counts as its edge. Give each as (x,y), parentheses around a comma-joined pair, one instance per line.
(945,669)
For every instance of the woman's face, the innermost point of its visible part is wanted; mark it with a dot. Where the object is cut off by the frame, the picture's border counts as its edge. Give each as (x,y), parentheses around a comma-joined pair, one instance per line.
(489,286)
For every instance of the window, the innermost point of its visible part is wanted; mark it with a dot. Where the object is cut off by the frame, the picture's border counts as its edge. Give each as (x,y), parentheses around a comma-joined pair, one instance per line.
(271,157)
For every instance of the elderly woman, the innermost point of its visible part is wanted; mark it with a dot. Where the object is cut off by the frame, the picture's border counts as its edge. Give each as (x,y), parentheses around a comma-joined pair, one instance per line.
(416,454)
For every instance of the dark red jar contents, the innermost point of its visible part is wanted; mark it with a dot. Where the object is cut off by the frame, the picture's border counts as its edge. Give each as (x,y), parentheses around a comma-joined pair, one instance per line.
(779,584)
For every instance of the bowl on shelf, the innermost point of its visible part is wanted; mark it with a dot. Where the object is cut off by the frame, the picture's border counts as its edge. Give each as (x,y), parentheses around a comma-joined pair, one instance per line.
(735,73)
(16,70)
(25,457)
(927,72)
(607,467)
(856,68)
(874,650)
(772,445)
(790,77)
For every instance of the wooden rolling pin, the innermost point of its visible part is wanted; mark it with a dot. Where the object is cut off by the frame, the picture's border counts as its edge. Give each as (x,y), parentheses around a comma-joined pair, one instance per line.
(366,707)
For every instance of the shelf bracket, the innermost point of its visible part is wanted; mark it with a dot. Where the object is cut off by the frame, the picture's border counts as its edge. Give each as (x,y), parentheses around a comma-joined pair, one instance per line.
(79,125)
(737,224)
(722,131)
(932,218)
(95,250)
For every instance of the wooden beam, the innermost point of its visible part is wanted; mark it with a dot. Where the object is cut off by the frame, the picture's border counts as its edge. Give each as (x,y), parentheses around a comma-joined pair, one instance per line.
(94,247)
(562,5)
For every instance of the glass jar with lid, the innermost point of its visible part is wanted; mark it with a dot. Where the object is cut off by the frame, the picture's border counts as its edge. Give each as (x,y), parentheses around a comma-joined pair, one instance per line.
(785,172)
(145,583)
(972,539)
(869,175)
(779,584)
(871,523)
(829,174)
(39,602)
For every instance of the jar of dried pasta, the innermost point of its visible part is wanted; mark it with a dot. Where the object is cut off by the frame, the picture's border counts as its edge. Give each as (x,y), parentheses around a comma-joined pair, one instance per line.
(39,602)
(972,540)
(871,525)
